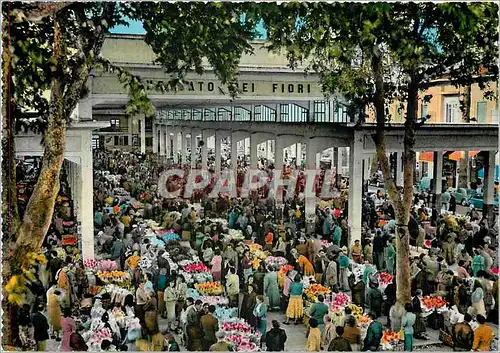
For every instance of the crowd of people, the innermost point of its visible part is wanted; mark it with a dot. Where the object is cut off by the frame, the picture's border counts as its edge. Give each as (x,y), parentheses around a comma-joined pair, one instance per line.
(160,307)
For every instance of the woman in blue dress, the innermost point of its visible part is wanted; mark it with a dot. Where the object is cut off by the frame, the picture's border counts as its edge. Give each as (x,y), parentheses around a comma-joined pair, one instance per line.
(271,289)
(260,313)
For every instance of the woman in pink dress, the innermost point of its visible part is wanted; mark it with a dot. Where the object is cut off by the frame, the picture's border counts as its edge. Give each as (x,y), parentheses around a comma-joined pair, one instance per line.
(216,266)
(68,326)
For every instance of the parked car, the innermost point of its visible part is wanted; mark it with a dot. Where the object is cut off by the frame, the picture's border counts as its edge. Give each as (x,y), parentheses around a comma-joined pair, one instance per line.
(477,201)
(462,195)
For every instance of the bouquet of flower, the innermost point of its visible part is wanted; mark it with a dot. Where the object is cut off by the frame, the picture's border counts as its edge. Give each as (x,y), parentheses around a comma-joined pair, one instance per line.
(225,314)
(218,220)
(99,336)
(196,267)
(202,277)
(209,288)
(357,311)
(234,234)
(276,261)
(133,261)
(239,326)
(389,339)
(242,343)
(119,316)
(118,277)
(384,278)
(170,236)
(314,290)
(255,263)
(341,299)
(107,265)
(337,315)
(364,321)
(259,254)
(494,270)
(90,264)
(252,247)
(326,244)
(214,300)
(433,302)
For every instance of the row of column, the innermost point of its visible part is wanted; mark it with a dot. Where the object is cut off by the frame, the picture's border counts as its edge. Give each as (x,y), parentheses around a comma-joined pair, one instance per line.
(166,143)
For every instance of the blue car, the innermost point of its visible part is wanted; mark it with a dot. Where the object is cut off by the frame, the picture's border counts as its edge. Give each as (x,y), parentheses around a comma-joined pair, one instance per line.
(476,200)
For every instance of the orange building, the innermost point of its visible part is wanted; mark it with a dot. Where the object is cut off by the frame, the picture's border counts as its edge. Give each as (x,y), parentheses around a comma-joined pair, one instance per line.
(444,106)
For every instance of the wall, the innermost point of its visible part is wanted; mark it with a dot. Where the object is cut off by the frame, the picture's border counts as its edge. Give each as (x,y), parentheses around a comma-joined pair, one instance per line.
(435,107)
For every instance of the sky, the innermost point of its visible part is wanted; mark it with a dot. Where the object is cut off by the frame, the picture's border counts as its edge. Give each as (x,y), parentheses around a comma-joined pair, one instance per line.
(135,27)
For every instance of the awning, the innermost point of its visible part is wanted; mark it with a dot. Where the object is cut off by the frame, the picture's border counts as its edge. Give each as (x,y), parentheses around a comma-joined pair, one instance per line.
(426,156)
(458,155)
(455,156)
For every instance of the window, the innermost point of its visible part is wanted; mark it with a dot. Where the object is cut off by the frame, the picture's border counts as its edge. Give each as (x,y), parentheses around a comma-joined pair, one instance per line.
(320,111)
(451,109)
(494,116)
(117,140)
(95,142)
(125,140)
(149,125)
(115,123)
(425,110)
(209,115)
(149,142)
(481,112)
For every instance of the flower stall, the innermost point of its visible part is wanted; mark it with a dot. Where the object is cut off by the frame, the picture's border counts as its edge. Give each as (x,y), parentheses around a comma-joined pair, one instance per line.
(209,288)
(120,278)
(241,334)
(390,341)
(314,290)
(276,261)
(234,234)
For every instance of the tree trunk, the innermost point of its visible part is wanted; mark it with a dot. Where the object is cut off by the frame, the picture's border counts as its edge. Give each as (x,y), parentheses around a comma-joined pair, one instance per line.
(463,170)
(40,208)
(401,205)
(10,216)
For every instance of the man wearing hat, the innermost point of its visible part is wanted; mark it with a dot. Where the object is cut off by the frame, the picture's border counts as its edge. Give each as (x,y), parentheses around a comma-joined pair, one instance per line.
(302,246)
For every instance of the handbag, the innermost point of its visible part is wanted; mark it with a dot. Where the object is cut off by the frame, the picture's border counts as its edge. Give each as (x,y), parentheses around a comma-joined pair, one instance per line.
(401,334)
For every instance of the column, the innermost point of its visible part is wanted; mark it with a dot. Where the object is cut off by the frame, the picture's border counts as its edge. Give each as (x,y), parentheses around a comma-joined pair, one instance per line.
(438,177)
(166,137)
(467,185)
(130,126)
(399,169)
(311,154)
(234,153)
(217,154)
(86,207)
(489,186)
(193,149)
(175,146)
(184,147)
(155,138)
(298,153)
(336,160)
(339,160)
(332,162)
(163,138)
(254,163)
(278,153)
(355,187)
(204,150)
(143,134)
